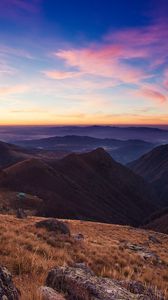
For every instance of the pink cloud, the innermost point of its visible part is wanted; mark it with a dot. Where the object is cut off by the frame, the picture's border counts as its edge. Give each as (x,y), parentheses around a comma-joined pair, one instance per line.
(140,36)
(152,94)
(115,57)
(103,61)
(59,75)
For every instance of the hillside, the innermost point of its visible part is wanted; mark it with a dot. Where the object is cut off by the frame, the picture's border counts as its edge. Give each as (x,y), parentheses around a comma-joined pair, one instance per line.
(158,221)
(10,154)
(123,151)
(90,186)
(30,252)
(153,166)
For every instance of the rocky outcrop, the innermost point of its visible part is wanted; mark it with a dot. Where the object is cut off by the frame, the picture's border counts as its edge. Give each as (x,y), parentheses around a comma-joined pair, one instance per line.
(8,291)
(54,225)
(143,252)
(82,284)
(47,293)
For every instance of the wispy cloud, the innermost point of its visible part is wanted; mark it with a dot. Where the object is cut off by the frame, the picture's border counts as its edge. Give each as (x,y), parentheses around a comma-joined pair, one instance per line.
(16,89)
(104,61)
(6,69)
(152,94)
(10,51)
(33,110)
(14,8)
(126,54)
(123,57)
(54,74)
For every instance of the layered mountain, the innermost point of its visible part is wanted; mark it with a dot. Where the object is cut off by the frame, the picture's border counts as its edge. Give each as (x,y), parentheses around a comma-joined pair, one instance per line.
(153,166)
(151,134)
(90,186)
(121,150)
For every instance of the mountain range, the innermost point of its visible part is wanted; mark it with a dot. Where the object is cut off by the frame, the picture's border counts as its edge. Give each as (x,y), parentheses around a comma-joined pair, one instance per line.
(149,134)
(89,186)
(122,151)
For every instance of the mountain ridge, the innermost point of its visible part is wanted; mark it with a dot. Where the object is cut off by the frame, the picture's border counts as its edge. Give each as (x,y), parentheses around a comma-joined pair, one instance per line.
(88,186)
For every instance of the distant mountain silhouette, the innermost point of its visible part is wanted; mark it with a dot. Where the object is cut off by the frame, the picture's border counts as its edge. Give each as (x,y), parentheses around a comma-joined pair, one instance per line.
(122,151)
(89,186)
(151,134)
(153,166)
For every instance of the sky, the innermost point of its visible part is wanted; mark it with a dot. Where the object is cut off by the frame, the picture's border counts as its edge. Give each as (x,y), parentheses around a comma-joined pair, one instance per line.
(83,62)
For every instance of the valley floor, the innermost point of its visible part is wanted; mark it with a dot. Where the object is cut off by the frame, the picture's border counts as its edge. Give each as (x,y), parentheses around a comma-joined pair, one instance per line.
(119,252)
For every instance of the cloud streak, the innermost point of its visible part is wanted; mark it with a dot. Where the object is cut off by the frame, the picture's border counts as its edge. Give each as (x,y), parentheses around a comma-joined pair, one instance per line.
(152,94)
(126,57)
(14,8)
(16,89)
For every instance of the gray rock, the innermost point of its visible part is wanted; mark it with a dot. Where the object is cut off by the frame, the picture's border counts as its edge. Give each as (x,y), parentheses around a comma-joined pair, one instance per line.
(54,225)
(47,293)
(8,291)
(136,287)
(144,252)
(81,284)
(153,239)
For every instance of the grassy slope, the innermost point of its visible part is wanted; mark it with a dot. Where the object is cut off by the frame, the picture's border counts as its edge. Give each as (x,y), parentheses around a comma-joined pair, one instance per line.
(29,252)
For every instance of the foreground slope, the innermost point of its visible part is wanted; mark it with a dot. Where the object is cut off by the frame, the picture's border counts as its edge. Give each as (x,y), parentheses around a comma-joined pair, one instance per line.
(153,166)
(30,252)
(89,186)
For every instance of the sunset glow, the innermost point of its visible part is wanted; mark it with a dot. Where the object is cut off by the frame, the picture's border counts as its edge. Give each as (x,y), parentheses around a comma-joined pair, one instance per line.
(74,63)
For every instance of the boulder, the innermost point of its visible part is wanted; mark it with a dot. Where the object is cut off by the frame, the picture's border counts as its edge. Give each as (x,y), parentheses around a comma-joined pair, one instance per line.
(54,225)
(136,287)
(47,293)
(8,291)
(154,240)
(82,284)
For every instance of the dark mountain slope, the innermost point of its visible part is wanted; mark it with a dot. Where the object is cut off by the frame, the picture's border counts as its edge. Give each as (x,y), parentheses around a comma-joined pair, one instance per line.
(158,221)
(153,166)
(10,154)
(86,186)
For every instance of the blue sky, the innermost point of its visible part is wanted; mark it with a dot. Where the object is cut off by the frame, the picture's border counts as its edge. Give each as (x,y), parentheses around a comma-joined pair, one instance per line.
(83,62)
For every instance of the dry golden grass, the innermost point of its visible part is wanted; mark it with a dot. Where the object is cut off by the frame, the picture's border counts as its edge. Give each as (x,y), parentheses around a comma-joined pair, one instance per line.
(29,253)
